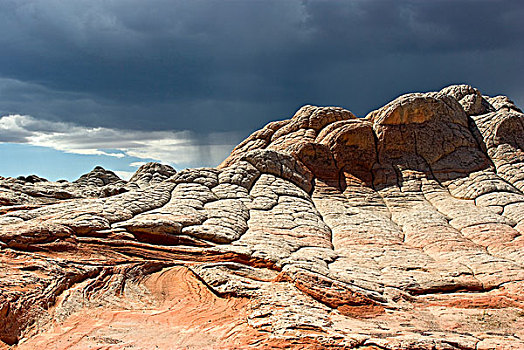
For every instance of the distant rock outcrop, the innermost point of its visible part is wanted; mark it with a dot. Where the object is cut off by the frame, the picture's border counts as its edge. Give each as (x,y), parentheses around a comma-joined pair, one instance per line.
(151,174)
(31,179)
(400,230)
(98,177)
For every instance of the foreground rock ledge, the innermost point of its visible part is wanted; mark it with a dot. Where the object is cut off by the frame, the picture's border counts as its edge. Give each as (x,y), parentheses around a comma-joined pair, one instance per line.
(400,230)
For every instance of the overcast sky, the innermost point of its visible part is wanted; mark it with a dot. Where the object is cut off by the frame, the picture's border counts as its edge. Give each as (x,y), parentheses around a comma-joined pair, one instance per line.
(123,81)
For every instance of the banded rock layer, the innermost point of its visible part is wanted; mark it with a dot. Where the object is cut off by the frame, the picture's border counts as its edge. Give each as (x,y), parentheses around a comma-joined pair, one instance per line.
(400,230)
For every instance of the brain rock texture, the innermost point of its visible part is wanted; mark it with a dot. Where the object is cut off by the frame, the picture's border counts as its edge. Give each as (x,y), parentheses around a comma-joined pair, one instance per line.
(400,230)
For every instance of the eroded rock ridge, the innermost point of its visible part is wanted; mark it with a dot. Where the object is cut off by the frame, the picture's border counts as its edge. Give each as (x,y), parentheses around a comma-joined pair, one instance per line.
(400,230)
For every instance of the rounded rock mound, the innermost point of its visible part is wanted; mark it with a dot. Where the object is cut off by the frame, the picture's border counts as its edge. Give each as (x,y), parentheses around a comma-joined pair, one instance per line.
(400,230)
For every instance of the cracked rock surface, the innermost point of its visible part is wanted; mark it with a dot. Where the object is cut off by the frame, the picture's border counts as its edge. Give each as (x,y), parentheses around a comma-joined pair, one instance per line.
(400,230)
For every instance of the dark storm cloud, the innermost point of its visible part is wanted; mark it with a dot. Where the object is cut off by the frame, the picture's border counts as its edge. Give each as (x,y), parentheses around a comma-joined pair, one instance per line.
(235,65)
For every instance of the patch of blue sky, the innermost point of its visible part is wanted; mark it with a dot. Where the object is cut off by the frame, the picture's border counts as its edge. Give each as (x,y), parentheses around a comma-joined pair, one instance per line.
(23,159)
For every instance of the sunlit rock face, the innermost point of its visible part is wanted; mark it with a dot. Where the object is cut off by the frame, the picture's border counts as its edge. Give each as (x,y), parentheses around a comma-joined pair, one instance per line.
(400,230)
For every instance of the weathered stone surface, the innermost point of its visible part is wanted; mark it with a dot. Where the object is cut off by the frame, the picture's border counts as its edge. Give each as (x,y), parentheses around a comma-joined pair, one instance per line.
(401,230)
(151,174)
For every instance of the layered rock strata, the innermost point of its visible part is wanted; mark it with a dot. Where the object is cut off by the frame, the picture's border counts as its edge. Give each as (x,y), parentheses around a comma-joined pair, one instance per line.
(400,230)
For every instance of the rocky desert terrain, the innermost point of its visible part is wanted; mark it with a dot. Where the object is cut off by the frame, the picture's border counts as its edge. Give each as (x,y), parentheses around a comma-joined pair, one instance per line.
(400,230)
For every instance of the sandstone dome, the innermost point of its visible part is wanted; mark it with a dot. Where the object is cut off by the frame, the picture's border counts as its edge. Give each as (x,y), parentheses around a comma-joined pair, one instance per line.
(400,230)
